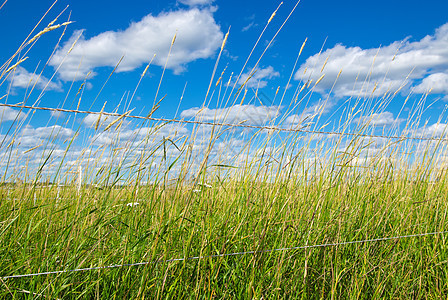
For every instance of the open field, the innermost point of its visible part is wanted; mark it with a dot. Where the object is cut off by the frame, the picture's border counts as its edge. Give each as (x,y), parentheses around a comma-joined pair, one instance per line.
(99,229)
(225,209)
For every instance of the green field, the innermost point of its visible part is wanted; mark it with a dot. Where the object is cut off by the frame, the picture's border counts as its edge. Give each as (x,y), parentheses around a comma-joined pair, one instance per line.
(99,229)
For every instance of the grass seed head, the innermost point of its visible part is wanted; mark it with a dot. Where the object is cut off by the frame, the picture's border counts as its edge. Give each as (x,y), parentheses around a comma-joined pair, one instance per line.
(16,64)
(224,41)
(48,29)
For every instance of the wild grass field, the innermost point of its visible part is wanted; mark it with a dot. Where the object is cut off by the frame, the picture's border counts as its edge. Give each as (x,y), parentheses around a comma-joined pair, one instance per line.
(295,213)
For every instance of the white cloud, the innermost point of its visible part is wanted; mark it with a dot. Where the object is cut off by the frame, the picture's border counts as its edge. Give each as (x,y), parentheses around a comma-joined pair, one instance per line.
(198,36)
(259,79)
(196,2)
(251,114)
(30,137)
(437,83)
(434,131)
(91,120)
(136,136)
(295,120)
(9,114)
(54,131)
(381,69)
(57,114)
(307,116)
(379,119)
(248,26)
(24,79)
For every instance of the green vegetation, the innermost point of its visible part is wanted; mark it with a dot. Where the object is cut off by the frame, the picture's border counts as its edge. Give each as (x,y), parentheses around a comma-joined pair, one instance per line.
(97,229)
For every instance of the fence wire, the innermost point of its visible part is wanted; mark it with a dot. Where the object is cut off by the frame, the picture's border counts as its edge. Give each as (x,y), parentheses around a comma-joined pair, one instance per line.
(228,254)
(237,125)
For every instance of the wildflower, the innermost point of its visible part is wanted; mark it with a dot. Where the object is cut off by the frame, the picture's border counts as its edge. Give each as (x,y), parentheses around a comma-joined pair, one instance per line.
(132,204)
(206,185)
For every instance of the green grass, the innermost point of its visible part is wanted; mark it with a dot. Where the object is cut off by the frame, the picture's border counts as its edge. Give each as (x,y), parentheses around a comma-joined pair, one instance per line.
(280,190)
(241,216)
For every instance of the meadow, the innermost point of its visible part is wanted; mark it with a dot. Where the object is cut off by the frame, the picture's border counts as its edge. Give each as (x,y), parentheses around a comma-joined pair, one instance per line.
(294,213)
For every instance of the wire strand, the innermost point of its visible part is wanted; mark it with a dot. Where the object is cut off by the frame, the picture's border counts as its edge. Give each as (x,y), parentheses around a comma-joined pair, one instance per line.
(301,130)
(228,254)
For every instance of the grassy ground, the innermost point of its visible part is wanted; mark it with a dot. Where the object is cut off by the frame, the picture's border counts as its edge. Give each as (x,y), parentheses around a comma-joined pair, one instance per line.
(99,229)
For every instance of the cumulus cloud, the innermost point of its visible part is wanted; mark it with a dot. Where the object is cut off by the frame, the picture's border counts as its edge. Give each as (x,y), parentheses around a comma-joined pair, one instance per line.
(9,114)
(198,37)
(259,79)
(57,114)
(375,71)
(31,137)
(433,131)
(307,116)
(296,120)
(54,131)
(436,83)
(91,120)
(250,114)
(136,136)
(379,119)
(24,79)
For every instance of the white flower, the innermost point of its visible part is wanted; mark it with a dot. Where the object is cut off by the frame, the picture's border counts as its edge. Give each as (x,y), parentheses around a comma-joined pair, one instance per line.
(206,185)
(196,191)
(132,204)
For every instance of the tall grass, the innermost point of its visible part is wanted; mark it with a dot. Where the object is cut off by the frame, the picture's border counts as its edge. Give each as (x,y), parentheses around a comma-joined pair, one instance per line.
(165,192)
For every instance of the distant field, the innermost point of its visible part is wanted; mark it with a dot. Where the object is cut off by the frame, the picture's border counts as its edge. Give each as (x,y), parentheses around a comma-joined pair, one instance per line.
(99,228)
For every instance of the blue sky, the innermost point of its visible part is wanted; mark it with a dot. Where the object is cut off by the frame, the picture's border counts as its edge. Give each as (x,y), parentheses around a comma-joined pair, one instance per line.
(383,48)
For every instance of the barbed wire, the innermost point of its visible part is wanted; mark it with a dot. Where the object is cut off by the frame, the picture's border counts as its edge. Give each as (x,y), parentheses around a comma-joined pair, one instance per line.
(239,125)
(227,254)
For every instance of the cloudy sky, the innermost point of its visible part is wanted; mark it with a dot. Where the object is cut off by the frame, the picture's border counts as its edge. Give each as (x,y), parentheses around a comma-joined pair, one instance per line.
(389,59)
